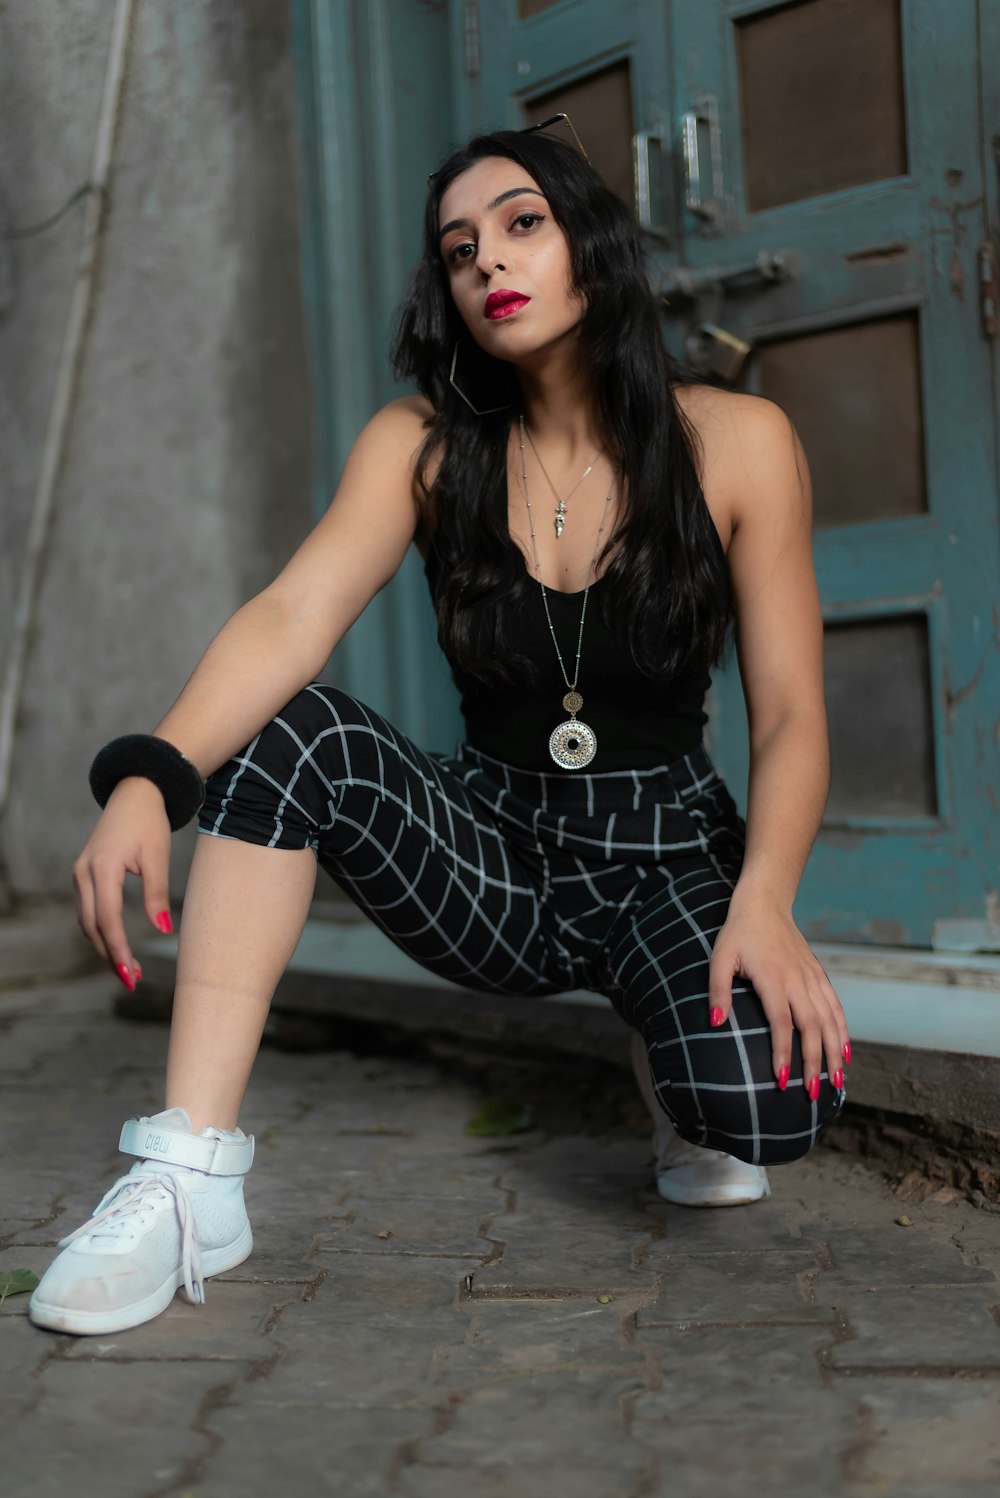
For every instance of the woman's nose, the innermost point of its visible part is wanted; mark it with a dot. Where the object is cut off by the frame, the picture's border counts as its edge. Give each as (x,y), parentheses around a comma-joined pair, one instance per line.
(487,260)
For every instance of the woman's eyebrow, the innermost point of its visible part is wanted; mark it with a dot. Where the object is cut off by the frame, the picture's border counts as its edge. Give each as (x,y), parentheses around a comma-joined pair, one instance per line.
(465,223)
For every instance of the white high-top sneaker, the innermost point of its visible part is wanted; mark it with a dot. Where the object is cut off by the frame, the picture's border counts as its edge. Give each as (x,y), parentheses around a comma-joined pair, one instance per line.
(174,1219)
(690,1174)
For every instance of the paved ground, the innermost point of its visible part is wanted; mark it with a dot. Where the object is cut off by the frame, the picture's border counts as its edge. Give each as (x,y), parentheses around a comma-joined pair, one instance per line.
(429,1313)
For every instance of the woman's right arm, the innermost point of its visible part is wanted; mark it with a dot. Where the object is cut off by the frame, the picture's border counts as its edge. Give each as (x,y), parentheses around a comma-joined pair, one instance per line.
(267,652)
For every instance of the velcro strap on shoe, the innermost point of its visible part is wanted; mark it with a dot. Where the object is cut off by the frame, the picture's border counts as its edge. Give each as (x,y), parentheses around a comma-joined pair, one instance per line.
(216,1157)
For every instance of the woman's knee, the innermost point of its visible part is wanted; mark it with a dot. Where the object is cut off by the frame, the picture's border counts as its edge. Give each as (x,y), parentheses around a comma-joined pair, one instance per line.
(316,710)
(282,787)
(781,1128)
(728,1099)
(769,1138)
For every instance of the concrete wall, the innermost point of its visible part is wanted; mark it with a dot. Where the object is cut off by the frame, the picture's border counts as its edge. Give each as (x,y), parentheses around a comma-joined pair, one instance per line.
(186,479)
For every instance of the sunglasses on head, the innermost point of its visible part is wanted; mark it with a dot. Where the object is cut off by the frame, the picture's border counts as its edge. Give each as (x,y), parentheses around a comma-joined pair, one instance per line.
(544,125)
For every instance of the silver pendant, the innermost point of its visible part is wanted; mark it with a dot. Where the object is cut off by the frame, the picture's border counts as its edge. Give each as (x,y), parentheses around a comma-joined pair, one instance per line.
(573,744)
(560,520)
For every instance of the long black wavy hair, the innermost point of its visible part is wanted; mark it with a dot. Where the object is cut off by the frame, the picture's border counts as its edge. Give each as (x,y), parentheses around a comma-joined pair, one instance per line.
(666,593)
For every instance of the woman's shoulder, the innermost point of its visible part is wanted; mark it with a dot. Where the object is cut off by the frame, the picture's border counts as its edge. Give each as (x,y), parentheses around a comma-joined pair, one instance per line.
(719,409)
(406,416)
(395,434)
(729,425)
(402,424)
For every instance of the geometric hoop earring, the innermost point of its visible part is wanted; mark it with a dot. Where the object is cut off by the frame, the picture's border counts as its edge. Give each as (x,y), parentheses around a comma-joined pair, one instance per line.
(487,410)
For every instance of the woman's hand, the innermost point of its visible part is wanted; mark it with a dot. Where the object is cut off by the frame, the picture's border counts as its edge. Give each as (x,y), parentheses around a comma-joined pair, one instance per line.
(132,836)
(761,942)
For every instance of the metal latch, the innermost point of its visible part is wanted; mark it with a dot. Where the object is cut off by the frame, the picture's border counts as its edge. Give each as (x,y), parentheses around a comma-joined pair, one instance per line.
(768,268)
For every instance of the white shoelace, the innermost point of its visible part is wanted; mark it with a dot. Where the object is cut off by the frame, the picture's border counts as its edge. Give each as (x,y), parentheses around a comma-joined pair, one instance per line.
(113,1220)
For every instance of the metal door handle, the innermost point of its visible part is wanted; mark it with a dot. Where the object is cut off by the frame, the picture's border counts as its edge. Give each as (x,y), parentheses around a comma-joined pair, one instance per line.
(641,176)
(696,200)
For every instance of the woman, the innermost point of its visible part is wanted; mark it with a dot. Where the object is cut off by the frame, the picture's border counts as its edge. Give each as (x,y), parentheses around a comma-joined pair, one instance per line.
(555,457)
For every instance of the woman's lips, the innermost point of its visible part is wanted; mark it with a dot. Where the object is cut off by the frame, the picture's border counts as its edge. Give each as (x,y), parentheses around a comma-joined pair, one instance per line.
(503,303)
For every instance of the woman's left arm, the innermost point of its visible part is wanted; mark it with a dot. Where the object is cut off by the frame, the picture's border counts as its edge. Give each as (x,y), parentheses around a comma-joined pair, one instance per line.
(779,644)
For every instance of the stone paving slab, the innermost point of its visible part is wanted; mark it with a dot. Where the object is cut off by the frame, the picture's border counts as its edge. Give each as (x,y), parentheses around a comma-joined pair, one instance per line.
(940,1434)
(793,1457)
(953,1327)
(891,1254)
(766,1226)
(498,1479)
(549,1255)
(22,1354)
(422,1282)
(717,1374)
(564,1415)
(365,1338)
(519,1339)
(738,1288)
(578,1171)
(105,1425)
(445,1224)
(303,1450)
(282,1254)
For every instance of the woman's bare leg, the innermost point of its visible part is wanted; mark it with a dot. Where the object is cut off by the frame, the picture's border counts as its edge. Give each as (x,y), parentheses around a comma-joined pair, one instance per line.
(244,910)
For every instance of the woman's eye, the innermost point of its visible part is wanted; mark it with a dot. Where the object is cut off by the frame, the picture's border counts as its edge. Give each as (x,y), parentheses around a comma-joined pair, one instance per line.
(455,255)
(533,218)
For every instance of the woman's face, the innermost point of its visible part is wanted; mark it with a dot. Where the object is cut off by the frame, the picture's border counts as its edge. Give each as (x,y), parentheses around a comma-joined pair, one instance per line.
(507,260)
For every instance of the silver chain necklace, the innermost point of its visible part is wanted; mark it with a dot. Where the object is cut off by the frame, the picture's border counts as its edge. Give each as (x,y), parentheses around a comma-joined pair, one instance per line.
(572,744)
(560,519)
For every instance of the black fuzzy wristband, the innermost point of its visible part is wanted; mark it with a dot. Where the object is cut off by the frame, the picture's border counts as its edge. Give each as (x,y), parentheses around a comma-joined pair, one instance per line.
(174,775)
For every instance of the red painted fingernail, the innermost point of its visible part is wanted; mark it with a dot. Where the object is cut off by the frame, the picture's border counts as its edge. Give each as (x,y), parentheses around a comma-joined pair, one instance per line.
(715,1018)
(125,976)
(846,1050)
(838,1078)
(813,1088)
(783,1076)
(164,922)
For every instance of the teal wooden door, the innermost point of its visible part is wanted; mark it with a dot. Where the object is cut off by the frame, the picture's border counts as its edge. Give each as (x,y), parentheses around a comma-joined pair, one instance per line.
(833,189)
(374,122)
(813,178)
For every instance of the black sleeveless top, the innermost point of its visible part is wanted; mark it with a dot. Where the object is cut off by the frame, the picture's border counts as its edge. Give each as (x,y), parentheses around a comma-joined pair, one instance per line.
(638,723)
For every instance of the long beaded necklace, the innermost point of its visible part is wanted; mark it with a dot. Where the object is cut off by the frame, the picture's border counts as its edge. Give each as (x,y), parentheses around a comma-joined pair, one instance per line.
(572,744)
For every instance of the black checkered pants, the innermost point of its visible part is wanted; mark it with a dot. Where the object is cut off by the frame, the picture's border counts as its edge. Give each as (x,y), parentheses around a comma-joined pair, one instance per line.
(514,881)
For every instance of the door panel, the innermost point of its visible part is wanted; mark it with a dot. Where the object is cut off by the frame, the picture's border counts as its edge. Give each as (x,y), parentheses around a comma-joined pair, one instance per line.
(862,377)
(823,104)
(600,106)
(879,689)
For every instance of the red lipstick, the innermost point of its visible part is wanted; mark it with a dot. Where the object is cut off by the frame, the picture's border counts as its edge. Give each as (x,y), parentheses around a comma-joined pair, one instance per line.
(503,302)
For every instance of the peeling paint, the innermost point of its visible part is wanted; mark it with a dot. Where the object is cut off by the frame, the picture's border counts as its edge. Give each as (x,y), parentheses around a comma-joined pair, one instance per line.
(954,233)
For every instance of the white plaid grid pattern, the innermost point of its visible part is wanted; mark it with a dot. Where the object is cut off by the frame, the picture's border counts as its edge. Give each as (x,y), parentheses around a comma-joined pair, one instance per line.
(516,881)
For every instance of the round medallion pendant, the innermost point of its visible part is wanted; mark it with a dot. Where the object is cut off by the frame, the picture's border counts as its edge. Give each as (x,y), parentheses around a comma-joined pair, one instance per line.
(572,745)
